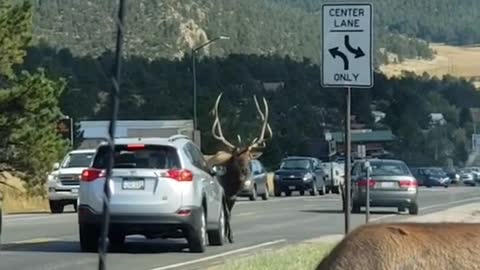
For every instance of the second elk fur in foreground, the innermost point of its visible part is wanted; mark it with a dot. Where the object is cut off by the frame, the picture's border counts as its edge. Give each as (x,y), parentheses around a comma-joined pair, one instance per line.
(407,246)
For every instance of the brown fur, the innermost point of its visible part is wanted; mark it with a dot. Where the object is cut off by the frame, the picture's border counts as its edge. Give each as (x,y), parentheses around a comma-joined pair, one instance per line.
(407,246)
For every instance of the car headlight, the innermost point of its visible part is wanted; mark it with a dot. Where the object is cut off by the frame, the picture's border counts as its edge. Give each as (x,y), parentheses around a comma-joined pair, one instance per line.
(247,183)
(307,176)
(277,177)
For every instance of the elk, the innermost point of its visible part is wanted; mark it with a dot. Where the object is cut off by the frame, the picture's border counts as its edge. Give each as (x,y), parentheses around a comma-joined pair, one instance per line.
(236,160)
(407,246)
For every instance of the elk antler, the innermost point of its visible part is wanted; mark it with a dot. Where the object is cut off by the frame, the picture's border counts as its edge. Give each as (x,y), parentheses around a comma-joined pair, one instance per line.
(260,142)
(217,128)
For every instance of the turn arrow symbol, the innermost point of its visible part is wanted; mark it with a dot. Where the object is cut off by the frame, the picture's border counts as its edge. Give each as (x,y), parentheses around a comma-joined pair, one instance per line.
(358,52)
(335,52)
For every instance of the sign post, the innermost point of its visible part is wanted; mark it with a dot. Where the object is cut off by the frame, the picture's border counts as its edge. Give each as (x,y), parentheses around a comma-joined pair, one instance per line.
(347,61)
(368,169)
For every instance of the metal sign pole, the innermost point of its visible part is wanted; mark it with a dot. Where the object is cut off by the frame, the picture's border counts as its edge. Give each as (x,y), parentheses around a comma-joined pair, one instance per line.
(367,195)
(347,149)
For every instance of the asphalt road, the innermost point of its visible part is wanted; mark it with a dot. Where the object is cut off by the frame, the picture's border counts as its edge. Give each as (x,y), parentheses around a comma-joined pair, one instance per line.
(45,241)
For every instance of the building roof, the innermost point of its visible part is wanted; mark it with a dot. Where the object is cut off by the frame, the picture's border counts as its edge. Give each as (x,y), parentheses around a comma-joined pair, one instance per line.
(366,136)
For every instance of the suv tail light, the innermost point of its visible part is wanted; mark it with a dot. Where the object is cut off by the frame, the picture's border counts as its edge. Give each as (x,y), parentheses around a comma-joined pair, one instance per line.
(180,175)
(408,184)
(363,183)
(90,175)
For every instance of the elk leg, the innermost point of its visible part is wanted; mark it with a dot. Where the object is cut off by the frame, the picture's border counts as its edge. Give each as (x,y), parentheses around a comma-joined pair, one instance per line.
(230,202)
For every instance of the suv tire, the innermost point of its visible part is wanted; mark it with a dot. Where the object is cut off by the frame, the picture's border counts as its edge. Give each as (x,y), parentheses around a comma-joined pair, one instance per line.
(253,196)
(314,191)
(322,191)
(197,237)
(266,195)
(116,239)
(355,208)
(413,209)
(56,207)
(89,237)
(218,236)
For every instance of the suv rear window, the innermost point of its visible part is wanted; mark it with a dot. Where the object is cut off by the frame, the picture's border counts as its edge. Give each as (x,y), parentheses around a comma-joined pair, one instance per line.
(139,156)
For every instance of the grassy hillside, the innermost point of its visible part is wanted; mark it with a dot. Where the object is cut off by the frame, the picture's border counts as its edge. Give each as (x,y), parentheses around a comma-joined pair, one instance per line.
(170,28)
(454,60)
(450,21)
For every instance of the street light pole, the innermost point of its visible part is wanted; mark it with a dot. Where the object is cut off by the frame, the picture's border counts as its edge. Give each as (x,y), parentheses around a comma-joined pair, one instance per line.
(194,70)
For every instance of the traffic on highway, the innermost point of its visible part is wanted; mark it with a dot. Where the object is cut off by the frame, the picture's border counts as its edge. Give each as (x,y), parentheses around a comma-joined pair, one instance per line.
(222,135)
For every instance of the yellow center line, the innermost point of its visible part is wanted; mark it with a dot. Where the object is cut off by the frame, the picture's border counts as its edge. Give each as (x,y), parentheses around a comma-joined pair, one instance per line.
(34,241)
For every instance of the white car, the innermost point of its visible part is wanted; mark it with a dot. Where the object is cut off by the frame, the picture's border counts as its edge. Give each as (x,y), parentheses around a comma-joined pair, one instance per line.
(64,181)
(160,188)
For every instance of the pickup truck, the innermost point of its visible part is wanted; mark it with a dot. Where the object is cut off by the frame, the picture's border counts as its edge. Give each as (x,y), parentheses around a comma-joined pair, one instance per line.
(64,180)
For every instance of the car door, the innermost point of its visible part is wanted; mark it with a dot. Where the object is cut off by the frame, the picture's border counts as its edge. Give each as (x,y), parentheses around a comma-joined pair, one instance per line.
(212,187)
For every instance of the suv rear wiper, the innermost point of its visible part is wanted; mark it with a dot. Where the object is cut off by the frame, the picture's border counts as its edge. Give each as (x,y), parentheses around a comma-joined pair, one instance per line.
(114,95)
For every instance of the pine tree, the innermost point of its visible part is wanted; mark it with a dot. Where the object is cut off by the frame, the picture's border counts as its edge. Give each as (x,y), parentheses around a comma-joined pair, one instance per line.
(29,108)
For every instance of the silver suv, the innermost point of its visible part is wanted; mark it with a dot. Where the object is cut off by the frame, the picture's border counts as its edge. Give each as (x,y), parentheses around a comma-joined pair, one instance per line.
(64,181)
(160,188)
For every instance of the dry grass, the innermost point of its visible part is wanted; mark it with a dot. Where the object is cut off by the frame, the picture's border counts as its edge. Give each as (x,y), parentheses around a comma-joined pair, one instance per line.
(456,61)
(17,201)
(298,257)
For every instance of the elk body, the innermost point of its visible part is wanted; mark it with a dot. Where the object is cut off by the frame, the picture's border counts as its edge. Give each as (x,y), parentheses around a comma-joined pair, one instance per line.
(407,246)
(236,160)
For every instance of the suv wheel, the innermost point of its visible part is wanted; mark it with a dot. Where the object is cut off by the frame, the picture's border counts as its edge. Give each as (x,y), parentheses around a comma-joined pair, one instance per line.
(322,191)
(413,209)
(266,195)
(253,196)
(56,207)
(355,208)
(117,239)
(89,236)
(217,237)
(313,191)
(197,237)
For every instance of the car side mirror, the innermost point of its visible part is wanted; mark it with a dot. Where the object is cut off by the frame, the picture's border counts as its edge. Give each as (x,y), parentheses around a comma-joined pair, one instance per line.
(56,166)
(218,170)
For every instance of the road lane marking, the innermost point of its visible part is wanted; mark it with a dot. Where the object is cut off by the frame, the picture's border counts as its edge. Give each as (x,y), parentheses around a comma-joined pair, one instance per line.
(430,207)
(33,241)
(245,214)
(208,258)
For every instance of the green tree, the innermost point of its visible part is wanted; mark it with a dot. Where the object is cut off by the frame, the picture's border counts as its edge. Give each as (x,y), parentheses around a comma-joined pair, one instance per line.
(29,105)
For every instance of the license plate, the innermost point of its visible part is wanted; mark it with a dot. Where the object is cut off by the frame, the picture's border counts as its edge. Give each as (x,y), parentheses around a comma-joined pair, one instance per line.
(292,187)
(387,184)
(75,191)
(133,184)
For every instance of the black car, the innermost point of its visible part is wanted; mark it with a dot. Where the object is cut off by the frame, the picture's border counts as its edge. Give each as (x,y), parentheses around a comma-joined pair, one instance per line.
(300,174)
(431,176)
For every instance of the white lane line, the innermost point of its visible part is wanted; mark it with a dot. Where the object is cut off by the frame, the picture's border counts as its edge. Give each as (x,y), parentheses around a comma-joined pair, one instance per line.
(430,207)
(171,266)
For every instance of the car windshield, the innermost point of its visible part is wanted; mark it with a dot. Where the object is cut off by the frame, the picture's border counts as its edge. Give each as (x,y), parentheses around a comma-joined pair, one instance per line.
(436,172)
(388,168)
(78,160)
(145,157)
(295,164)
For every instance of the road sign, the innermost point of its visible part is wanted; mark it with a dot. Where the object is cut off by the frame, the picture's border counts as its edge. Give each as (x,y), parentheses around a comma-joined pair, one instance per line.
(347,53)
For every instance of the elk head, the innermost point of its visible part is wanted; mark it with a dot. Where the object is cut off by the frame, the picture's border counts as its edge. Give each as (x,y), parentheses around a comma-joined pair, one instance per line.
(236,159)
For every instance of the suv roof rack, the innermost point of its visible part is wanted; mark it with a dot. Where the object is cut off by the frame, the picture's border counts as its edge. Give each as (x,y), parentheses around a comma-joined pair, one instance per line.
(178,137)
